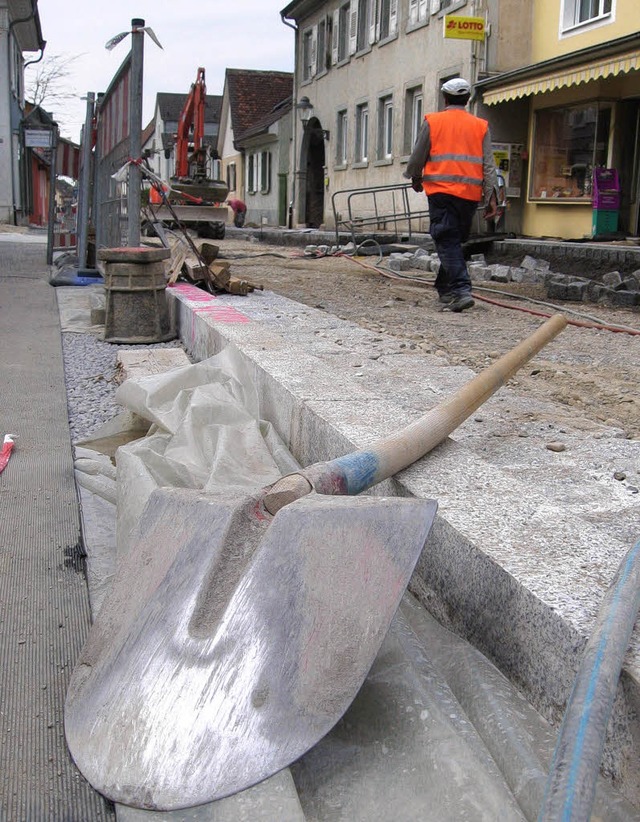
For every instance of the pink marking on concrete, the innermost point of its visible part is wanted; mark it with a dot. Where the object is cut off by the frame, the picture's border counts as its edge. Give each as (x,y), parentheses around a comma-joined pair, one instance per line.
(222,313)
(208,305)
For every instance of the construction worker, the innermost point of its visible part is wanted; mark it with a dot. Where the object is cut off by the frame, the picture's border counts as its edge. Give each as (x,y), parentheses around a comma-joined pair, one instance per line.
(239,212)
(452,162)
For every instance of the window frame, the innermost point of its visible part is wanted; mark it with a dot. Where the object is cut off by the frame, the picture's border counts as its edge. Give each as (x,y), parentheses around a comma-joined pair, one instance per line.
(570,11)
(385,128)
(344,23)
(308,53)
(322,48)
(418,14)
(387,27)
(413,115)
(362,134)
(232,177)
(342,133)
(259,172)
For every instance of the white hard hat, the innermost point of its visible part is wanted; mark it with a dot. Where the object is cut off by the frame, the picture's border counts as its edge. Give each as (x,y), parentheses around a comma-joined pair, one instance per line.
(456,87)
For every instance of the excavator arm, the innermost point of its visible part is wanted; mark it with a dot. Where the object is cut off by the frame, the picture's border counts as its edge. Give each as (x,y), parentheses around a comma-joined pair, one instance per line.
(192,115)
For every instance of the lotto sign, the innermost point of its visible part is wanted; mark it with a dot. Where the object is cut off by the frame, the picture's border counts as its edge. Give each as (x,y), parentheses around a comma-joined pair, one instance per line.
(464,28)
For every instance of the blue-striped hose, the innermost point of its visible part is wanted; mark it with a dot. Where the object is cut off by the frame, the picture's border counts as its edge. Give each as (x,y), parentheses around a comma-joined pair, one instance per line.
(571,784)
(353,473)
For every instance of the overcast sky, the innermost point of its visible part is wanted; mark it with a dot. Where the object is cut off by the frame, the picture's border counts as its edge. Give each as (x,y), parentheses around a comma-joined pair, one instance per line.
(216,34)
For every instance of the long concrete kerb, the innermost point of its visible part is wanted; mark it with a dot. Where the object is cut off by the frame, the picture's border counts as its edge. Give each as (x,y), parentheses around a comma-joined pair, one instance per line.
(526,540)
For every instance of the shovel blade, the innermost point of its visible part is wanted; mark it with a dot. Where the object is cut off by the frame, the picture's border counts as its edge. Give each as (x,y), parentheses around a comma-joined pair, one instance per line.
(231,642)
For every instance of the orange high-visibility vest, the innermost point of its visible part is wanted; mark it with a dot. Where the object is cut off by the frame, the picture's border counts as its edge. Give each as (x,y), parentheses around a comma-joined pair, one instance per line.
(456,158)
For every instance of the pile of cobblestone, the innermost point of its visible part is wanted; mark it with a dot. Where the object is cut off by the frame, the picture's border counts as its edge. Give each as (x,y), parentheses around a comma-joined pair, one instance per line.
(612,288)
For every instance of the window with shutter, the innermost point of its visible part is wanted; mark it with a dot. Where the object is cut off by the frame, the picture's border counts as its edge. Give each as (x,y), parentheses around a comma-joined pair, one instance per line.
(353,27)
(344,15)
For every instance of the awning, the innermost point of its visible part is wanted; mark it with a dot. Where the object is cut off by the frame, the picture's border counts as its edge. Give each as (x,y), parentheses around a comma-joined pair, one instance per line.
(610,66)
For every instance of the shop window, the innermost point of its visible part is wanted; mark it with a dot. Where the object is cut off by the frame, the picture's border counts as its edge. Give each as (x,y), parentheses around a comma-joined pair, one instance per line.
(578,12)
(568,143)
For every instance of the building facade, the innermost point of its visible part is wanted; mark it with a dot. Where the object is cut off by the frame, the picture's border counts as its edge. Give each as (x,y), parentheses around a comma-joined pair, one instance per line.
(254,142)
(577,99)
(20,32)
(370,70)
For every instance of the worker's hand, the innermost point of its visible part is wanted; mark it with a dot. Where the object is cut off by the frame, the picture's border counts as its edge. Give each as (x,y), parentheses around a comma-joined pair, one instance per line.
(491,209)
(416,184)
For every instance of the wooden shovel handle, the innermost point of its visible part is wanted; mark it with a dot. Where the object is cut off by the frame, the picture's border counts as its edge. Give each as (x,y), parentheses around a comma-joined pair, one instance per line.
(355,472)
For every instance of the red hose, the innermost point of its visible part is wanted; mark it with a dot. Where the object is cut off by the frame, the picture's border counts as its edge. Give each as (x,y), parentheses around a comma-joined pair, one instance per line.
(578,323)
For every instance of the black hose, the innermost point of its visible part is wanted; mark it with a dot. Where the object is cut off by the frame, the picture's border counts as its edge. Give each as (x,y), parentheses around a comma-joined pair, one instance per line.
(571,784)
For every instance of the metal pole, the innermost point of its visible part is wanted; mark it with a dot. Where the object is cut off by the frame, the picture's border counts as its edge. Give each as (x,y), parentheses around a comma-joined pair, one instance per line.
(53,173)
(135,131)
(84,185)
(99,183)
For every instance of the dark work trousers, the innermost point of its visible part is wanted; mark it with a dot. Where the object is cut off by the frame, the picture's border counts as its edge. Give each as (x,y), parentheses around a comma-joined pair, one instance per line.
(450,219)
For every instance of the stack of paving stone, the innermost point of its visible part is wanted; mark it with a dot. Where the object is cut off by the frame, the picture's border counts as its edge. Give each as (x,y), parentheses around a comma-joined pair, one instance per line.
(612,288)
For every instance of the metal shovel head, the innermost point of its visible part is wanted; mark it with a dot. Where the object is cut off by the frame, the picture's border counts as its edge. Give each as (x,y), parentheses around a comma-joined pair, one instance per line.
(231,642)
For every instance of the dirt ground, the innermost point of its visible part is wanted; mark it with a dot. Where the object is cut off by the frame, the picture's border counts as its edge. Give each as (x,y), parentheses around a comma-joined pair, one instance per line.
(591,374)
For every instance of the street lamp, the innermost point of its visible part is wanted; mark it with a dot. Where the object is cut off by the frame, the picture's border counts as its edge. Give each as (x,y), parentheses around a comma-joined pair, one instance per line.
(305,107)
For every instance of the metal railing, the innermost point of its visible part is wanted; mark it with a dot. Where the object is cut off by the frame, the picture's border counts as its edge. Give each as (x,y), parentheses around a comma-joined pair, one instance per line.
(376,209)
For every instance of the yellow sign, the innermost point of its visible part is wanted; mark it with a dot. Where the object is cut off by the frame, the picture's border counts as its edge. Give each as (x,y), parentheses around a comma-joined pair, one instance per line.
(464,28)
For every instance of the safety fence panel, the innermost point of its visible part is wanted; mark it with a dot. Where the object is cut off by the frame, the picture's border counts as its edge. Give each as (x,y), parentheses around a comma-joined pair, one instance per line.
(112,153)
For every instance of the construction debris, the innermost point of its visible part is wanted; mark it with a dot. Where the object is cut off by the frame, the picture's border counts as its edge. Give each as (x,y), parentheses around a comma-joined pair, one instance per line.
(196,260)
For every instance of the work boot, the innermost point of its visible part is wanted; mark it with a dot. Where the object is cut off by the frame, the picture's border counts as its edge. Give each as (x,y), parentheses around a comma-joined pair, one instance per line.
(460,303)
(446,298)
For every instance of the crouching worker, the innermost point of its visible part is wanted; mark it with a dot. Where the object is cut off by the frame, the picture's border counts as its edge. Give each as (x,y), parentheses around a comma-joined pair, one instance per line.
(239,212)
(452,162)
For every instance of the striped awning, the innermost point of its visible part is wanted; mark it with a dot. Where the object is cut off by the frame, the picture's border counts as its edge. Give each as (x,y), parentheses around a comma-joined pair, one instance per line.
(610,66)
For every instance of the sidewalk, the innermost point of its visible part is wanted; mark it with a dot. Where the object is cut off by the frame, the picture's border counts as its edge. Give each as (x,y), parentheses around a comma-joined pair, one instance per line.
(44,608)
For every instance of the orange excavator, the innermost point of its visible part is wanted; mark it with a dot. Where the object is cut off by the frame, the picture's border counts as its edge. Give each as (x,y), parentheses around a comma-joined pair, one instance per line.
(191,168)
(197,196)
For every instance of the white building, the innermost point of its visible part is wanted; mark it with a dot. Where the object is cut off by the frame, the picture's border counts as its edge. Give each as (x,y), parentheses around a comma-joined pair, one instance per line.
(20,32)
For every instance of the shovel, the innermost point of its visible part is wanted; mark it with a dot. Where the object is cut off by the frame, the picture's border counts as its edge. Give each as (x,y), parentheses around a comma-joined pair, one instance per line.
(238,631)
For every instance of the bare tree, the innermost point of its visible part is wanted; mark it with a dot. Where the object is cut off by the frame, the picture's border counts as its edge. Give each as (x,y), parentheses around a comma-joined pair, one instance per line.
(48,79)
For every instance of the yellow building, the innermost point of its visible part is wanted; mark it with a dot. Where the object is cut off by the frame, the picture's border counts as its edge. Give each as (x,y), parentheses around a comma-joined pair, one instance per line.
(580,95)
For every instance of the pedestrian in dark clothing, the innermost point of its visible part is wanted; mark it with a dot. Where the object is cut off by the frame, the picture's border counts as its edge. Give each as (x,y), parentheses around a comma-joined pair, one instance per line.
(239,212)
(452,162)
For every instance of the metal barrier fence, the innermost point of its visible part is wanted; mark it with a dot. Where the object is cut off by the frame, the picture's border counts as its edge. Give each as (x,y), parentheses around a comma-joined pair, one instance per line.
(377,209)
(113,149)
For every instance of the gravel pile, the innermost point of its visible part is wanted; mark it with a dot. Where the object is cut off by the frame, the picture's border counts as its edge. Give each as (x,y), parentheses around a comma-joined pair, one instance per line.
(90,379)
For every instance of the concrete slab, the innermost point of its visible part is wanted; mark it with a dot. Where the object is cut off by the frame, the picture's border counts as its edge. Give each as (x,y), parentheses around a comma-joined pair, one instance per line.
(527,539)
